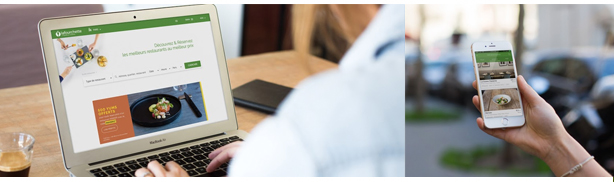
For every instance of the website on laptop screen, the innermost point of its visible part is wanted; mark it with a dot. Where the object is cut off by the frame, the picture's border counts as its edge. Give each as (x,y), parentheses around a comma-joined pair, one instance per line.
(126,81)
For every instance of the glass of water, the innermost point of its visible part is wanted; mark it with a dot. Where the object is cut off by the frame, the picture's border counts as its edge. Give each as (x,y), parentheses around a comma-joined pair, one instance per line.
(79,43)
(67,59)
(180,87)
(95,52)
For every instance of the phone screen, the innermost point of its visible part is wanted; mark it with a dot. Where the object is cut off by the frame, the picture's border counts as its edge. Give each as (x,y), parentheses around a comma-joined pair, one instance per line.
(498,84)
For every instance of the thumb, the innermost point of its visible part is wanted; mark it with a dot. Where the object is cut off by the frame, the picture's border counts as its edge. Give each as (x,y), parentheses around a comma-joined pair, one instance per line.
(529,96)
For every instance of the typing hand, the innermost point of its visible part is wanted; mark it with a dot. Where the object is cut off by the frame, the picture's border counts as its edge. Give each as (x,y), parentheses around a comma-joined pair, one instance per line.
(222,155)
(155,169)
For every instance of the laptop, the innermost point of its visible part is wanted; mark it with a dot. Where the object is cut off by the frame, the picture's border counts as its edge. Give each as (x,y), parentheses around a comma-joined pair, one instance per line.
(135,86)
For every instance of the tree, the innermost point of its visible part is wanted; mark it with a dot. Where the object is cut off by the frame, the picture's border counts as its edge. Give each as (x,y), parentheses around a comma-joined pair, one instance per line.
(508,150)
(420,87)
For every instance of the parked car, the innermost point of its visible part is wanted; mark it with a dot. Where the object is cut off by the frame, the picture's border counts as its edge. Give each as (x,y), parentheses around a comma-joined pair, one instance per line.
(567,76)
(591,122)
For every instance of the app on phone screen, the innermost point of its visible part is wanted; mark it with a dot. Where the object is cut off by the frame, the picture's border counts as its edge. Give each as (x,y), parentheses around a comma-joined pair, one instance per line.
(498,83)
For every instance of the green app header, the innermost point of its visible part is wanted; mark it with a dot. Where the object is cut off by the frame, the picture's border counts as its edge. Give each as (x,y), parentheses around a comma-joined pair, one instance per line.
(117,27)
(493,56)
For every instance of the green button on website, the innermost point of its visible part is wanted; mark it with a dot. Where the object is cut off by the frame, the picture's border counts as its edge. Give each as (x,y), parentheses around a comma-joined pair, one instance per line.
(193,64)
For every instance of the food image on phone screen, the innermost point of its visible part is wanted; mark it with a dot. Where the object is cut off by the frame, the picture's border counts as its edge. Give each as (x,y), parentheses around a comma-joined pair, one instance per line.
(498,85)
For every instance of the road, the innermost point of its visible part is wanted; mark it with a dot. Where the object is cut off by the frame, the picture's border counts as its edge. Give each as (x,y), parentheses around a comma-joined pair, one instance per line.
(425,142)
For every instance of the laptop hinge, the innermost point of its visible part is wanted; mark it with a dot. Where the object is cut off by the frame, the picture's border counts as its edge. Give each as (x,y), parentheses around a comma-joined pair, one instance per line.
(151,150)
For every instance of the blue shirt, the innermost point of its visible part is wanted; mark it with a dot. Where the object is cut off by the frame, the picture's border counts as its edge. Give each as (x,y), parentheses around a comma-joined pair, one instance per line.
(343,122)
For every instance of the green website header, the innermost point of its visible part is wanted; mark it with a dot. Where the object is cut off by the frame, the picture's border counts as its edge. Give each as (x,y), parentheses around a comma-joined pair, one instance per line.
(117,27)
(493,56)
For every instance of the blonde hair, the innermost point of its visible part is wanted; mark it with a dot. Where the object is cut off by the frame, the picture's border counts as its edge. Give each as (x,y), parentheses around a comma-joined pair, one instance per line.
(330,21)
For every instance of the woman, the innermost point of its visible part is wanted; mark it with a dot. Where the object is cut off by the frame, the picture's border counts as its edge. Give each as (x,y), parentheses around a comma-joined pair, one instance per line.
(345,122)
(544,136)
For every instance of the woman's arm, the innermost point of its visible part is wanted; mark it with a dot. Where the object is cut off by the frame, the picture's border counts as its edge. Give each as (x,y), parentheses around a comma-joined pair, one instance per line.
(63,45)
(94,43)
(567,153)
(544,135)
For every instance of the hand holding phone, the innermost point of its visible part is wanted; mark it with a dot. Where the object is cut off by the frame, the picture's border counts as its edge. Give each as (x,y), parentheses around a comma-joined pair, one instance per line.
(542,127)
(543,135)
(497,86)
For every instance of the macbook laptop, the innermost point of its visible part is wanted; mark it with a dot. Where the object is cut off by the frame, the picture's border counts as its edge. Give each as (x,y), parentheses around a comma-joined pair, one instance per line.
(131,87)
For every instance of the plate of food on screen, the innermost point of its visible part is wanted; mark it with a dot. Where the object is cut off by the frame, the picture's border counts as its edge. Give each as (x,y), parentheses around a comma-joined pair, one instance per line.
(81,56)
(155,110)
(501,99)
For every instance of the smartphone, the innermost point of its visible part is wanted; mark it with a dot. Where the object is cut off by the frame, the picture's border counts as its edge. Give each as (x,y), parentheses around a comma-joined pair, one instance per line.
(260,95)
(495,72)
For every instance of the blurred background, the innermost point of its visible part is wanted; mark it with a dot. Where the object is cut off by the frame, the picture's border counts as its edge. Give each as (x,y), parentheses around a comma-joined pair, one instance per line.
(564,51)
(247,29)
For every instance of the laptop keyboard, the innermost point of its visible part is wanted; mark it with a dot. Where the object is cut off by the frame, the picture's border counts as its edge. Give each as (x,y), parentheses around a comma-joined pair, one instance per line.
(194,159)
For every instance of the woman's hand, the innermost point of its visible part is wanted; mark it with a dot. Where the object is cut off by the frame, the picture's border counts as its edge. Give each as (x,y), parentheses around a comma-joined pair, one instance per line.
(543,135)
(542,126)
(172,169)
(222,155)
(63,45)
(91,47)
(155,169)
(66,71)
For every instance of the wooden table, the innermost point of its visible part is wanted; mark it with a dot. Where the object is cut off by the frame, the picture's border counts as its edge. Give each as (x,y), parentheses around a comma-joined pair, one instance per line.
(491,106)
(28,108)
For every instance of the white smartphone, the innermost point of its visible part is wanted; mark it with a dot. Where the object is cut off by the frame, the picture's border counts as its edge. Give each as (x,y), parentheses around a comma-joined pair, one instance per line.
(495,72)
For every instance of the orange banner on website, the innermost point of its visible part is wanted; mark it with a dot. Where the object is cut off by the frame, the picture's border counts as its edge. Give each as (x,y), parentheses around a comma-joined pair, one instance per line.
(113,119)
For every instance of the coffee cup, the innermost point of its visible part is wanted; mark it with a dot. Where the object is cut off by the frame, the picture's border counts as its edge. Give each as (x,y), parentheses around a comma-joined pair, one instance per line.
(15,154)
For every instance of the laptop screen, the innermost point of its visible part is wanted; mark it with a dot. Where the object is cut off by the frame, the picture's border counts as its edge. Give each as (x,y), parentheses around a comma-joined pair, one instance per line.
(126,81)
